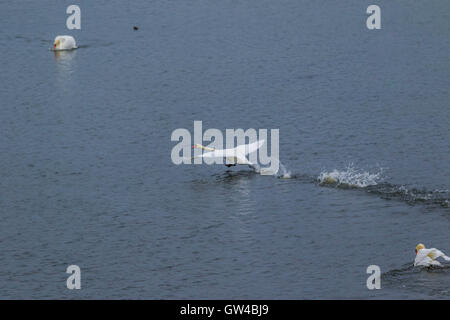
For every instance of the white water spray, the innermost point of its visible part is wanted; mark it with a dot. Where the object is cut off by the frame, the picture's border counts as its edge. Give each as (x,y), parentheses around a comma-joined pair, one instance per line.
(350,177)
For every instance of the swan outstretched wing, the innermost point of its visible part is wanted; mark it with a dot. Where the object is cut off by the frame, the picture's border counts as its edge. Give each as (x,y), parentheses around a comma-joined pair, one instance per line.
(240,151)
(238,154)
(213,154)
(246,149)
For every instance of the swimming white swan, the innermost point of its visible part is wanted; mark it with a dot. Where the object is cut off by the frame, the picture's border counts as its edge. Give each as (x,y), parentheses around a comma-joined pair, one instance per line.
(426,257)
(233,156)
(64,43)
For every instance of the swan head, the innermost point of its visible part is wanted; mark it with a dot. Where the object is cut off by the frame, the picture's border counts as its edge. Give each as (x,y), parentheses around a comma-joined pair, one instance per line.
(56,43)
(419,247)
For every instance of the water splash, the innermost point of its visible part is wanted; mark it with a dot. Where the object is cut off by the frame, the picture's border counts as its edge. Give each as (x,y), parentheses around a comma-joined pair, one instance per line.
(350,178)
(283,172)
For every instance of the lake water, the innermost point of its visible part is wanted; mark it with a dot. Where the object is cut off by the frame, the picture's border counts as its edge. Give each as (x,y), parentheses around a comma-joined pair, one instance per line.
(86,176)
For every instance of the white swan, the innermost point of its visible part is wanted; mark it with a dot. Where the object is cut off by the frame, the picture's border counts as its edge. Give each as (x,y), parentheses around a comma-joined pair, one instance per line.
(426,257)
(64,43)
(233,156)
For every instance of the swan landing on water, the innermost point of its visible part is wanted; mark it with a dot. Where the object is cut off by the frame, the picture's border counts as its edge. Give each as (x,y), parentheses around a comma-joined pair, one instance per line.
(426,257)
(233,156)
(64,43)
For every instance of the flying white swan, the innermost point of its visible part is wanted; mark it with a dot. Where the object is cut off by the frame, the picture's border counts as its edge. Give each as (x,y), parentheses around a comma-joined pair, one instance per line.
(233,156)
(426,257)
(64,43)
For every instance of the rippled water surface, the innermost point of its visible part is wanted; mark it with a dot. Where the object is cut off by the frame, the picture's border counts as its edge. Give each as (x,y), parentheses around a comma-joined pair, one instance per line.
(86,176)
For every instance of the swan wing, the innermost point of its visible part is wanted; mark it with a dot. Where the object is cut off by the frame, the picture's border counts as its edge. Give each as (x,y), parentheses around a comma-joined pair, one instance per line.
(229,154)
(435,253)
(426,257)
(246,149)
(243,160)
(239,152)
(213,154)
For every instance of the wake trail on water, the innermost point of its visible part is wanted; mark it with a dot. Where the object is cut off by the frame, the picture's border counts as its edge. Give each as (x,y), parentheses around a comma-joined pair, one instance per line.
(372,182)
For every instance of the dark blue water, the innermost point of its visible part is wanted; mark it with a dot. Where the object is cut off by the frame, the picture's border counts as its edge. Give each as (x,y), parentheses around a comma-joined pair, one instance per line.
(86,176)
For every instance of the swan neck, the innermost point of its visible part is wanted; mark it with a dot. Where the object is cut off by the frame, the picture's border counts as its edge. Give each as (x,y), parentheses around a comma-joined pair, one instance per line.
(207,148)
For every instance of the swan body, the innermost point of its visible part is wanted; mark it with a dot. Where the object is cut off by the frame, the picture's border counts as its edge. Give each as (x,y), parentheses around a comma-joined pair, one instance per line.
(427,257)
(233,156)
(64,43)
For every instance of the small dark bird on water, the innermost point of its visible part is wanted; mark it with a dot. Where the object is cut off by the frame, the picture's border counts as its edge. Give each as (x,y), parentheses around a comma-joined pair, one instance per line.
(135,28)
